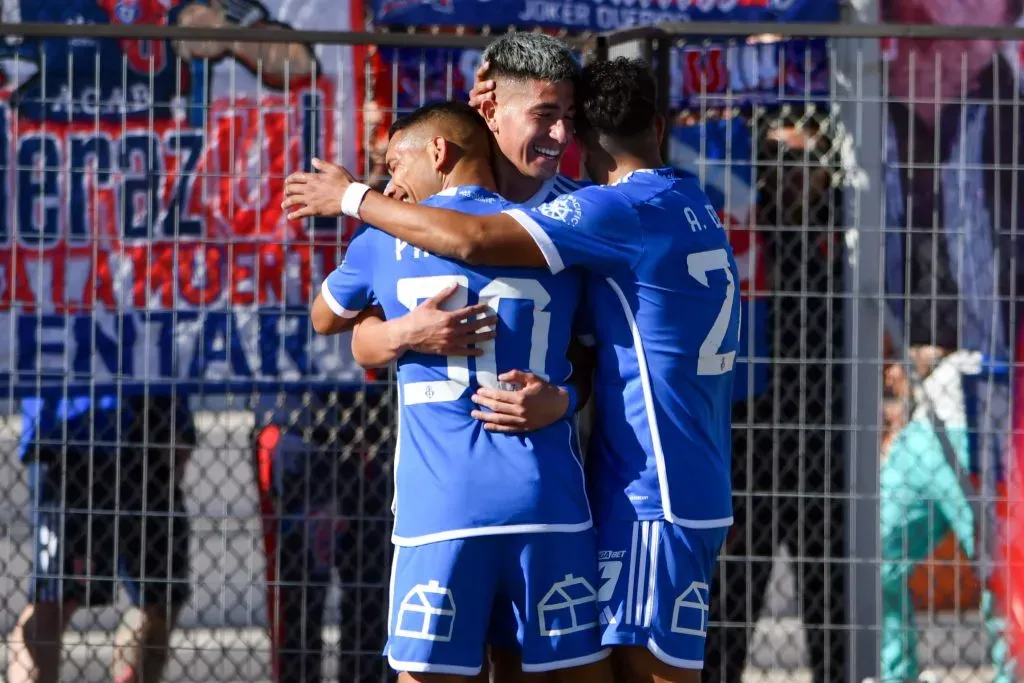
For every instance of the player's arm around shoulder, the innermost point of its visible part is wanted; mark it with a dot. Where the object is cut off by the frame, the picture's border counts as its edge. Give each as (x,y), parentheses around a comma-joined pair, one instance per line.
(595,227)
(494,239)
(485,240)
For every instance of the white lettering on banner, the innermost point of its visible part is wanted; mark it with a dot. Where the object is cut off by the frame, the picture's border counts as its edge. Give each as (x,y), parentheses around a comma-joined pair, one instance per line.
(565,13)
(700,5)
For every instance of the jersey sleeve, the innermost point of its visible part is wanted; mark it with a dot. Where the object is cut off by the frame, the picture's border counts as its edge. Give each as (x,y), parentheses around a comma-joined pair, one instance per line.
(349,289)
(595,228)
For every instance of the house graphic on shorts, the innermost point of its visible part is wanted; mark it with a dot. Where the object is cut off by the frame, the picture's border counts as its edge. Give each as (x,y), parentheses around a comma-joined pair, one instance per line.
(690,614)
(570,606)
(427,612)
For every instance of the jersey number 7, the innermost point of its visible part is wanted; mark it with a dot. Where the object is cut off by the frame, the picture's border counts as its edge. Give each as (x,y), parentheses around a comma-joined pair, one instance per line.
(413,290)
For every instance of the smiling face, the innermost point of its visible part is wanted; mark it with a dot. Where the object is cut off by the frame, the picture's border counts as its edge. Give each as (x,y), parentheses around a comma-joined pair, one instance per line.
(532,122)
(414,176)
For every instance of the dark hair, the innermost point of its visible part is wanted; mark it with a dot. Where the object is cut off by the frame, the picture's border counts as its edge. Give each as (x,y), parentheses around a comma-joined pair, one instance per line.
(617,98)
(459,113)
(533,56)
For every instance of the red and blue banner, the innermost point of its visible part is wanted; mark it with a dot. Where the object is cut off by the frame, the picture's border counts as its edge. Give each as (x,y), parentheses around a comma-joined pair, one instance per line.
(142,243)
(742,74)
(595,15)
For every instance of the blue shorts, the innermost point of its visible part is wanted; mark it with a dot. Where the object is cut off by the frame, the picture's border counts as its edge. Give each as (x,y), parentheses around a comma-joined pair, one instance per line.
(450,599)
(655,587)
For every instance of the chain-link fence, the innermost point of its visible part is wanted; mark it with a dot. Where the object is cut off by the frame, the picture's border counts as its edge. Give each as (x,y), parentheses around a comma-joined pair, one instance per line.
(164,386)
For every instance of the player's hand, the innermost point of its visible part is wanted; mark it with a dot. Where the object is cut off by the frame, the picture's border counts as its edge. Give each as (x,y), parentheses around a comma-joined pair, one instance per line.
(316,194)
(483,89)
(429,329)
(535,405)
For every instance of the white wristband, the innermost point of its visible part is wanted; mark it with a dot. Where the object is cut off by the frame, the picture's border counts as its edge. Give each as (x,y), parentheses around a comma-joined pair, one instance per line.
(352,198)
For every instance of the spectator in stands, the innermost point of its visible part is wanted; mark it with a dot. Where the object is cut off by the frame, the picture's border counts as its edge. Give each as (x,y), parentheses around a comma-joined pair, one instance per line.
(106,504)
(787,460)
(952,207)
(323,464)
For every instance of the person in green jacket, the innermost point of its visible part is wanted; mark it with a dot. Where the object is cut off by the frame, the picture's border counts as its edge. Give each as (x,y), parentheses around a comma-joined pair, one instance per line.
(922,500)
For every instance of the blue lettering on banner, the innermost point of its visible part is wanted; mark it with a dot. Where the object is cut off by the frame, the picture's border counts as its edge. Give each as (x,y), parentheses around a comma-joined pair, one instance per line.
(39,198)
(140,202)
(151,350)
(88,152)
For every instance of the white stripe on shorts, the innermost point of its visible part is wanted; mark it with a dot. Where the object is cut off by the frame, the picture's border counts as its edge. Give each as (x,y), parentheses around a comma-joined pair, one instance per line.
(642,554)
(627,609)
(653,574)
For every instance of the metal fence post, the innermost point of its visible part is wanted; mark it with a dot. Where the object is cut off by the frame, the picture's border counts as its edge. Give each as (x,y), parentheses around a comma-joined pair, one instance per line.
(861,113)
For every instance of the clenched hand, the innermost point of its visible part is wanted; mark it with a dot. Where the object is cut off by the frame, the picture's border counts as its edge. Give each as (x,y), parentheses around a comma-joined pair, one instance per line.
(316,194)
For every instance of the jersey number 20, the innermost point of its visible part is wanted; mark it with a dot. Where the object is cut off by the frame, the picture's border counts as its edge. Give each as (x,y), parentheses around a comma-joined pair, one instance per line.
(413,290)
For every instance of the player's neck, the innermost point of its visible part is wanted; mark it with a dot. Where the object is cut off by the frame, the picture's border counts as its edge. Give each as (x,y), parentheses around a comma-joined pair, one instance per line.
(628,163)
(513,185)
(471,172)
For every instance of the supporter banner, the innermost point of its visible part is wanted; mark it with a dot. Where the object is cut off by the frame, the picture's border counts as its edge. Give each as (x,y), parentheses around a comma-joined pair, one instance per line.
(720,153)
(595,15)
(141,236)
(737,75)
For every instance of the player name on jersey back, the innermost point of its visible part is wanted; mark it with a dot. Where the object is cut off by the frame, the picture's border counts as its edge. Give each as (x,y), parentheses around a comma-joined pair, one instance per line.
(662,305)
(453,478)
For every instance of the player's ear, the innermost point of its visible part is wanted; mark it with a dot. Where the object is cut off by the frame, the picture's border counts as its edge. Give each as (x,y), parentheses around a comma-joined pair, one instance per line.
(439,152)
(489,110)
(659,127)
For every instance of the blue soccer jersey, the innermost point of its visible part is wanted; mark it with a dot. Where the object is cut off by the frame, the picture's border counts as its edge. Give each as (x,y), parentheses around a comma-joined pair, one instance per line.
(666,316)
(453,478)
(553,188)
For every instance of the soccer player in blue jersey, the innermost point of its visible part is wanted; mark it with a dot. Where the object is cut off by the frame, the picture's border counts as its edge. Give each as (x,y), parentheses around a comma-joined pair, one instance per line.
(665,317)
(466,563)
(529,108)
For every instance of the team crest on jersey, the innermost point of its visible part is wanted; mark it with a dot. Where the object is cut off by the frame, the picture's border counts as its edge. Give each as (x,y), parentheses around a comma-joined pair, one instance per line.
(127,11)
(565,208)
